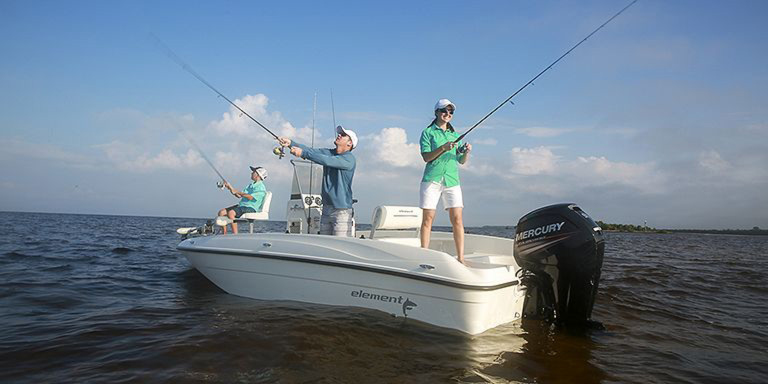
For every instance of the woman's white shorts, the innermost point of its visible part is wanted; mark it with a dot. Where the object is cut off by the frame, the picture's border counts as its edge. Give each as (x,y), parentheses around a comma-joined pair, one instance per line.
(431,193)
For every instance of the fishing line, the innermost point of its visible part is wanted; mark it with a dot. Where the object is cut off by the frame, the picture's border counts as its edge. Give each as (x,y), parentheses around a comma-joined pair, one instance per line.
(542,72)
(168,52)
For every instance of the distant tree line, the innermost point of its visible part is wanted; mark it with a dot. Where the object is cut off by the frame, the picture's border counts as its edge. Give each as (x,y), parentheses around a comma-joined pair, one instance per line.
(625,227)
(753,231)
(640,228)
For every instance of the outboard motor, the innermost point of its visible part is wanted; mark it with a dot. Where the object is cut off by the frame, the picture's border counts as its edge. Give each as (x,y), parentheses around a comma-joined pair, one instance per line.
(560,250)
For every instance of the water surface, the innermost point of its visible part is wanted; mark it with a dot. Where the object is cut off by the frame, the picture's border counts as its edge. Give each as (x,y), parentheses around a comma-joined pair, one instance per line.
(86,298)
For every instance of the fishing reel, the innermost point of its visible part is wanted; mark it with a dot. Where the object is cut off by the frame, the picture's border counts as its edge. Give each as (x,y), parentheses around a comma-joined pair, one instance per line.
(220,184)
(279,152)
(462,148)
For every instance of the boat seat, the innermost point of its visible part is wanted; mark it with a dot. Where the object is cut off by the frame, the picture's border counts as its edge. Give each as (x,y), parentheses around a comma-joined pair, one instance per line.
(254,216)
(396,217)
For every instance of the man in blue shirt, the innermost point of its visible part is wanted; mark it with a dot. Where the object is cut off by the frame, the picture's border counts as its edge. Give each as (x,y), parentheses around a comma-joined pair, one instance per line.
(251,198)
(338,170)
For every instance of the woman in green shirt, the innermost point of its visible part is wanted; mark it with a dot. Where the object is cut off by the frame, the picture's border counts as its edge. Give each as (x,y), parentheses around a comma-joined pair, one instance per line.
(441,174)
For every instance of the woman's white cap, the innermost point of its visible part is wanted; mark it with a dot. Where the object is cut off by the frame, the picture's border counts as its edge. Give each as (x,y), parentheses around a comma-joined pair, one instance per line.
(442,103)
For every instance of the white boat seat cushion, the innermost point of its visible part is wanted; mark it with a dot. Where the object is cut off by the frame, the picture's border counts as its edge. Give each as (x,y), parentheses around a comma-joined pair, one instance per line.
(264,214)
(395,217)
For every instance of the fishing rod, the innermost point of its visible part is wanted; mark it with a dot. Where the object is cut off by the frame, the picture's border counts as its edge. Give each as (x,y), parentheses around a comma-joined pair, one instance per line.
(333,111)
(542,72)
(173,56)
(312,164)
(314,115)
(223,181)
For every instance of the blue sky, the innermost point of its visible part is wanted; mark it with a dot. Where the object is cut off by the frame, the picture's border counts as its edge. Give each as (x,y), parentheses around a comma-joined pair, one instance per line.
(660,117)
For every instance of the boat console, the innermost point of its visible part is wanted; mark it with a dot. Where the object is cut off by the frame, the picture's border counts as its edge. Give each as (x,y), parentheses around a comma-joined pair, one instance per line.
(306,203)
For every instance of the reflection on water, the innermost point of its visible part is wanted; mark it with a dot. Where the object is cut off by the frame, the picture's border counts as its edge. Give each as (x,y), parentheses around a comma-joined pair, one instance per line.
(306,342)
(121,304)
(533,351)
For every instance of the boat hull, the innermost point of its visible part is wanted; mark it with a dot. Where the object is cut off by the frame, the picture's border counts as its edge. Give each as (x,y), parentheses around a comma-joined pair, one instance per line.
(400,291)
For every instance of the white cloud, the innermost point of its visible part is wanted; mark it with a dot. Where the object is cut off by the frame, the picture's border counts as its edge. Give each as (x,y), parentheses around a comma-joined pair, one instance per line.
(133,158)
(235,122)
(532,161)
(390,146)
(713,162)
(231,160)
(231,143)
(167,160)
(541,171)
(480,167)
(599,171)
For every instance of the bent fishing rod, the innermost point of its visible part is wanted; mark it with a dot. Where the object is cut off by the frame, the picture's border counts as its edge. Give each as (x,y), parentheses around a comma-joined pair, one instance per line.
(173,56)
(223,181)
(542,72)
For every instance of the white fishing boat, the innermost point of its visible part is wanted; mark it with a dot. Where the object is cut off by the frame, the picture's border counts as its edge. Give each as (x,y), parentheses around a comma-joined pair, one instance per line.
(386,269)
(551,269)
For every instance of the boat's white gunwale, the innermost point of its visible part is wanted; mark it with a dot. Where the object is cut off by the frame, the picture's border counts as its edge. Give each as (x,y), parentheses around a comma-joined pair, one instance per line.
(347,265)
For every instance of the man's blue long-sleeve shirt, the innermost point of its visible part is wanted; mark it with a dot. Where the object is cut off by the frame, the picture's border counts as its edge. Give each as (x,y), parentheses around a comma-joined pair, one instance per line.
(338,171)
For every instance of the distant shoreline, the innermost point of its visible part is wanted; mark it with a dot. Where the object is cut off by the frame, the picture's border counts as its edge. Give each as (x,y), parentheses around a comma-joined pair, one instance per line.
(626,228)
(630,228)
(700,231)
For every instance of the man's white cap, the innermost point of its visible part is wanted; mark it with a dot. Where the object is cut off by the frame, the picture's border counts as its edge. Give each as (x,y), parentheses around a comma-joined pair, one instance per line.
(442,103)
(261,171)
(352,135)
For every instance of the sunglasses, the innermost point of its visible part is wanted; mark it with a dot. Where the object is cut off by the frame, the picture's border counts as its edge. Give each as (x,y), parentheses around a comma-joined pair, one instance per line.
(446,110)
(342,134)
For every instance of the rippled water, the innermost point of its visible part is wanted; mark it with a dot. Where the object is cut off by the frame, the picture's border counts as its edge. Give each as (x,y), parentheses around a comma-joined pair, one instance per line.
(109,299)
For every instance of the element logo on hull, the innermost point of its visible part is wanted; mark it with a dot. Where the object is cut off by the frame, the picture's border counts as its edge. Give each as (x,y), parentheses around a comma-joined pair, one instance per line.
(407,304)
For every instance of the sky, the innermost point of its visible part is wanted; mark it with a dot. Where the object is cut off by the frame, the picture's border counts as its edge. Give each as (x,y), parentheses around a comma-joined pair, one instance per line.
(661,118)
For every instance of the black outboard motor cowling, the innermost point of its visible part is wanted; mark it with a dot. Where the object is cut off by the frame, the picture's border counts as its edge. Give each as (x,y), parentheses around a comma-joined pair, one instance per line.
(560,250)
